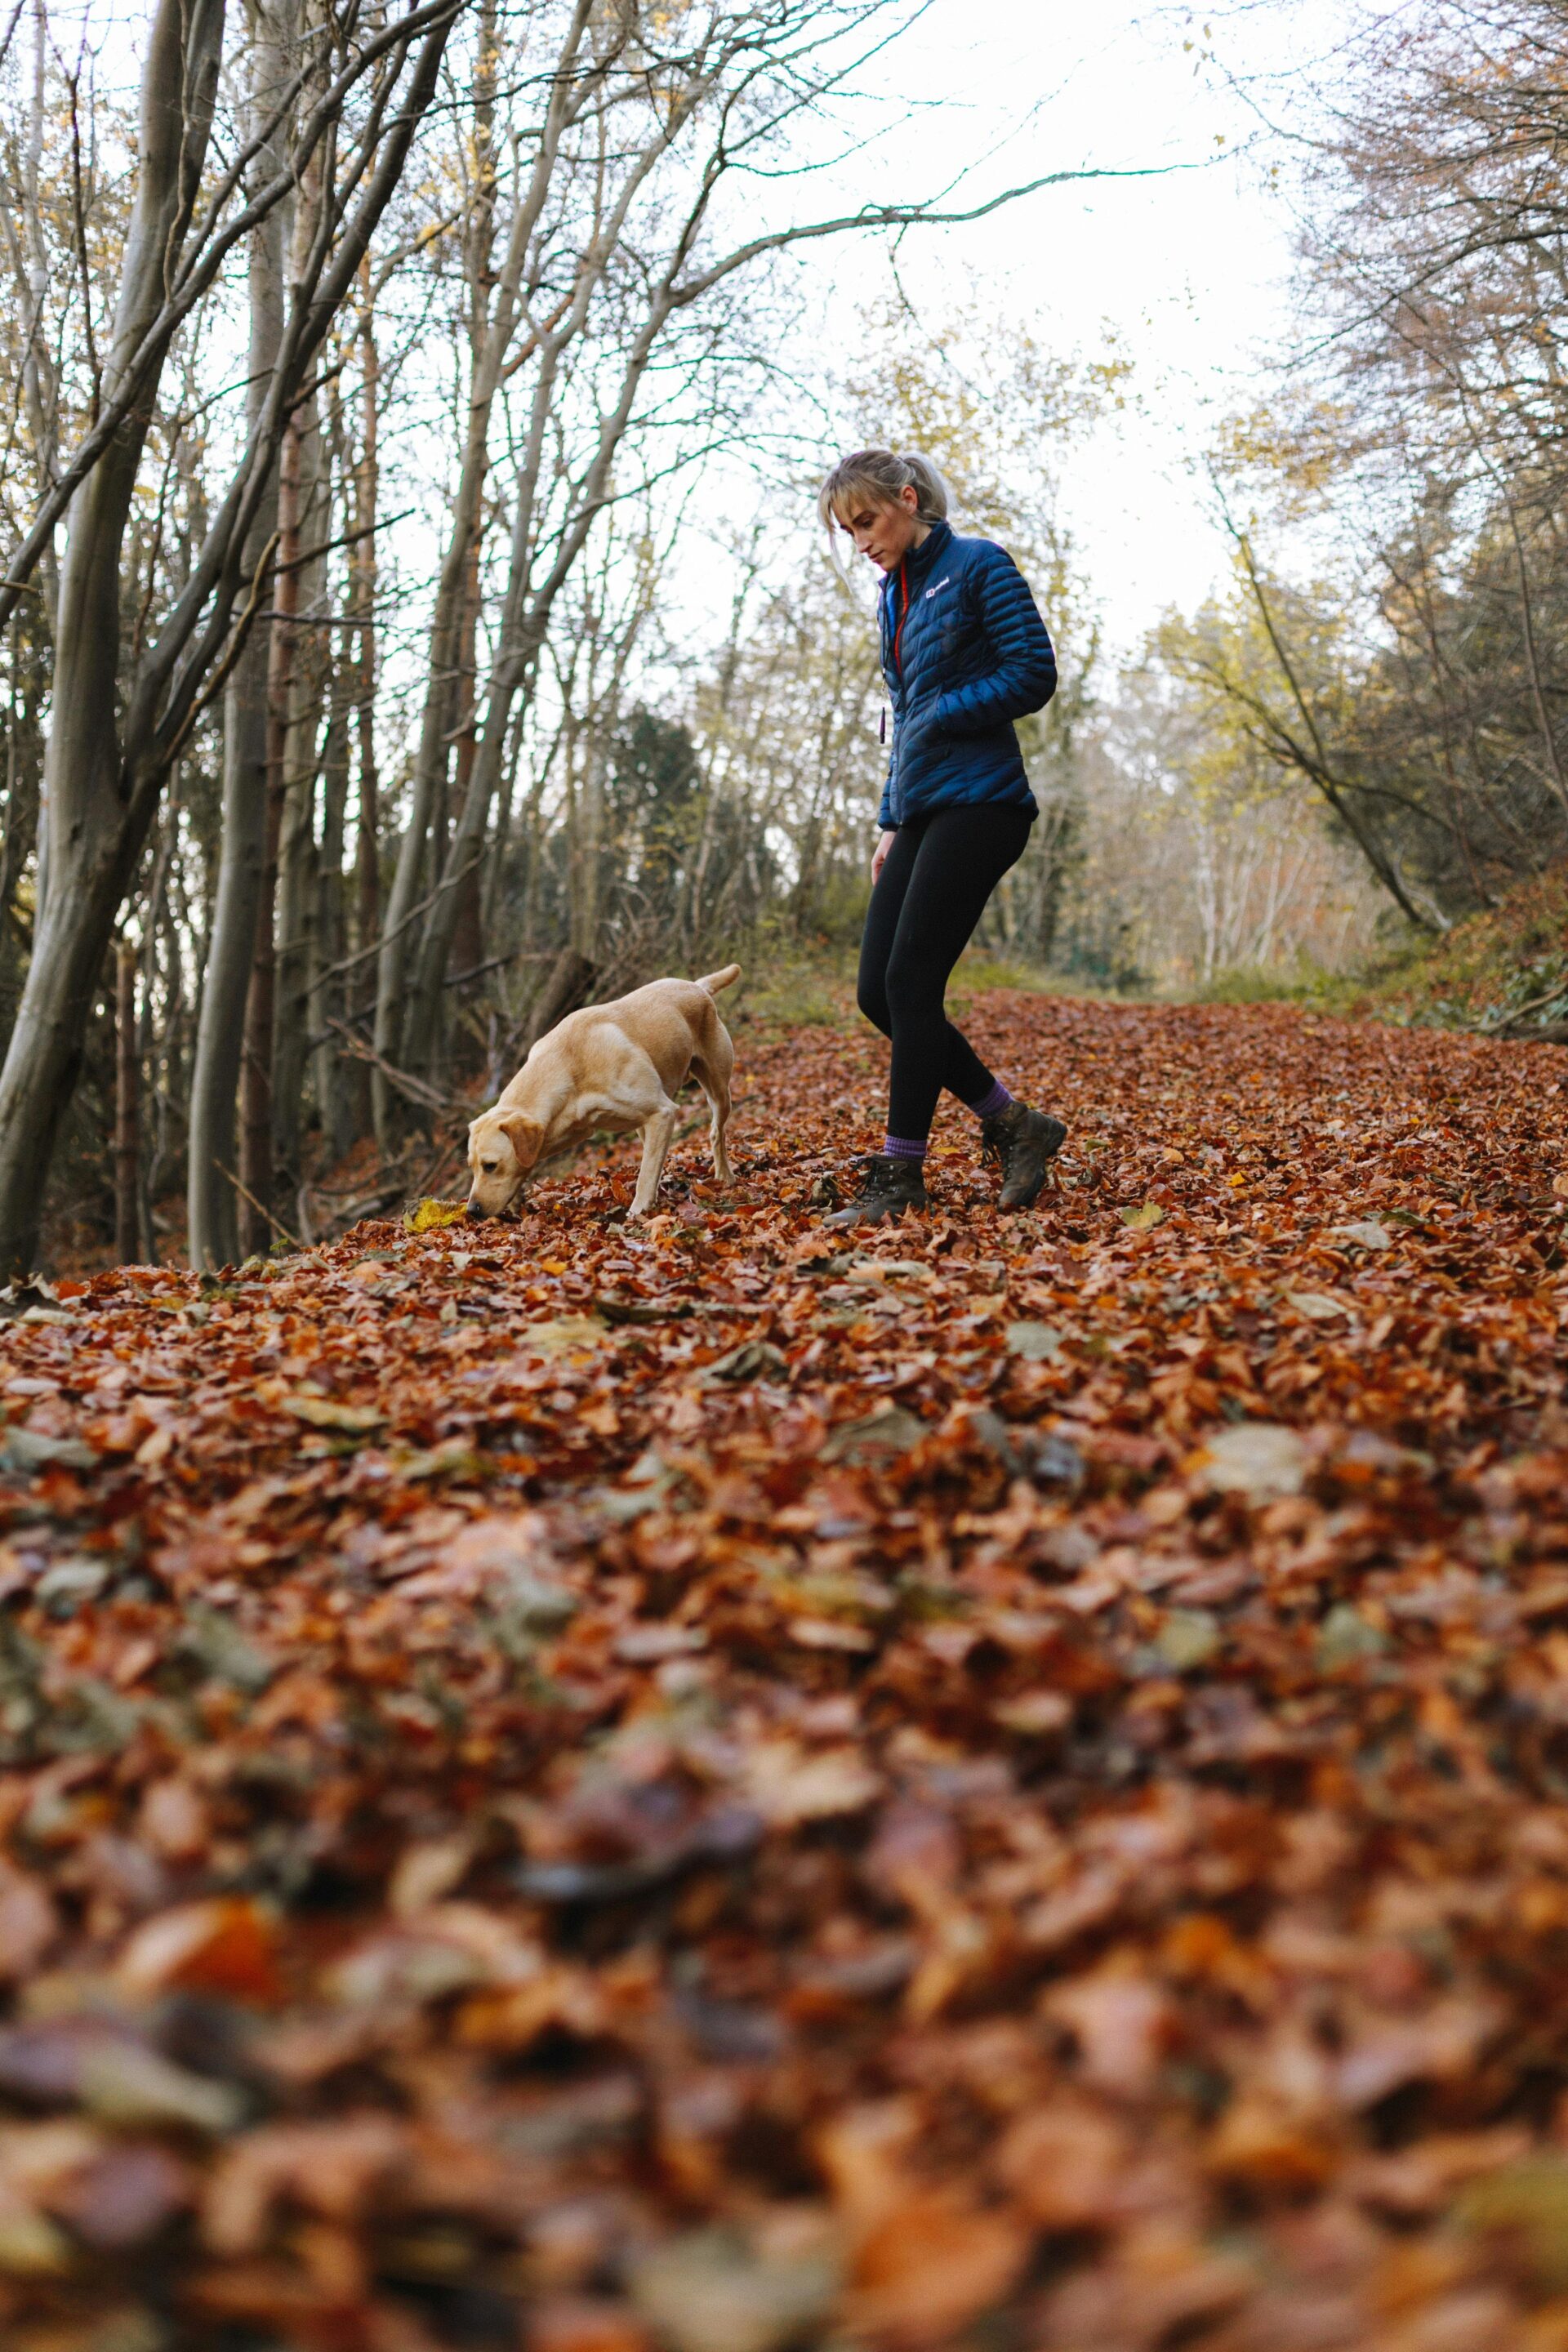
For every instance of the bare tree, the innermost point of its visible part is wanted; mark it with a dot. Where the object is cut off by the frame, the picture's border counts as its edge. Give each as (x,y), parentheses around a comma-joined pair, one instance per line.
(103,778)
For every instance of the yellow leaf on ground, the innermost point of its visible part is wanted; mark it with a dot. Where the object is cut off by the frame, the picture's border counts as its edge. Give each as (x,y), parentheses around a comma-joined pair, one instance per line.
(565,1335)
(788,1784)
(322,1413)
(431,1215)
(1144,1220)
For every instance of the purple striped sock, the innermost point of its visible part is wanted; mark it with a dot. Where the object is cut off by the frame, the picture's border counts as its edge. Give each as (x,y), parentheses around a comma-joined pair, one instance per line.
(903,1147)
(996,1100)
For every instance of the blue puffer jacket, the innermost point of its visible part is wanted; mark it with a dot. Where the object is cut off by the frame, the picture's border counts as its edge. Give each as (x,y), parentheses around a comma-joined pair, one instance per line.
(964,653)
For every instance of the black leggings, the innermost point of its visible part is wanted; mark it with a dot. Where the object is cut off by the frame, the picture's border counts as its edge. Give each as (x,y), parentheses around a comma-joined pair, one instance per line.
(931,892)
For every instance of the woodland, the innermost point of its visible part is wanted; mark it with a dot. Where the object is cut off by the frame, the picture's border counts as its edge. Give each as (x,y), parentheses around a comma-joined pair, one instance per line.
(704,1784)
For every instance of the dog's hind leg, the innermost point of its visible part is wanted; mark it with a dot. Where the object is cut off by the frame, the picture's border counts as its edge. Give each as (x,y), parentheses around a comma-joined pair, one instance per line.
(712,1071)
(656,1141)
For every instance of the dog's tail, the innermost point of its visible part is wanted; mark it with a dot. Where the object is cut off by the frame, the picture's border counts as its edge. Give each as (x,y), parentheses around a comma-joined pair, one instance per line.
(714,980)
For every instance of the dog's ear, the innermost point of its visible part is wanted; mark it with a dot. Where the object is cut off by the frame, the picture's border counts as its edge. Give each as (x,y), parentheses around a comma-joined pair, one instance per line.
(525,1135)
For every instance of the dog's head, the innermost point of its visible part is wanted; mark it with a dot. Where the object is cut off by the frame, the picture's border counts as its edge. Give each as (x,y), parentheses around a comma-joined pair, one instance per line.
(502,1147)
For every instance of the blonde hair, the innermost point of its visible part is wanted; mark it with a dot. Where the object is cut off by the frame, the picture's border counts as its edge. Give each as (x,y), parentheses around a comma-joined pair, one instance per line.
(882,476)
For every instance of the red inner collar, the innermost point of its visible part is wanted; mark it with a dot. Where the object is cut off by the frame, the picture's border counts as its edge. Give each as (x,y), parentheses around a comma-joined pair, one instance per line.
(903,616)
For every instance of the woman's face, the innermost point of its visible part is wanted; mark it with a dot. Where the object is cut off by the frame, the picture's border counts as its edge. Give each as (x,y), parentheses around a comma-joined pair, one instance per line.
(886,532)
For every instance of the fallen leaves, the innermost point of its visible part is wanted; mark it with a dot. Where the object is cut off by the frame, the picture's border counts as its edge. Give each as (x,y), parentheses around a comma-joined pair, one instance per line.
(693,1789)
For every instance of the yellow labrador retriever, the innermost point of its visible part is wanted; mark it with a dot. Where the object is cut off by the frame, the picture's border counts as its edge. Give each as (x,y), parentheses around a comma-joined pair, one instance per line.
(611,1066)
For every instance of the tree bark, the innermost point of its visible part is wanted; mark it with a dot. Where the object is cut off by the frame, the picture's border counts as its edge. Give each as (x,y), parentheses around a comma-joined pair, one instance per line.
(257,1097)
(335,1102)
(298,696)
(127,1110)
(362,575)
(212,1203)
(468,935)
(566,986)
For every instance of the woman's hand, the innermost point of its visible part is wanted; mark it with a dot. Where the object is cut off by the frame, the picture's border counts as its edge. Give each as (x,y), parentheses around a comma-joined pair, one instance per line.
(879,856)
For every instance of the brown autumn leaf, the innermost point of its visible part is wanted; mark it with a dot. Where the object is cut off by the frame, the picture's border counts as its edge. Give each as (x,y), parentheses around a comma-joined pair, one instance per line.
(27,1923)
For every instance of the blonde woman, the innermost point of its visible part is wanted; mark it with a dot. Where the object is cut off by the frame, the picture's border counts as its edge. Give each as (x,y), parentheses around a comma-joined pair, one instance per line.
(964,653)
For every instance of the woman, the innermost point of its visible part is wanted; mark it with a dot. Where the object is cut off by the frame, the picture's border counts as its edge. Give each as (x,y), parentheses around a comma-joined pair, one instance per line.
(964,653)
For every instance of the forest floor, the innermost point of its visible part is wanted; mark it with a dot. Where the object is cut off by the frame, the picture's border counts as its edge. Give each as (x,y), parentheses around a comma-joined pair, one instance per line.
(699,1786)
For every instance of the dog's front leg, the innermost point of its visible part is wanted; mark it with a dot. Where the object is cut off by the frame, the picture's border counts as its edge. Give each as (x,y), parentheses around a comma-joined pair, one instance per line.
(656,1141)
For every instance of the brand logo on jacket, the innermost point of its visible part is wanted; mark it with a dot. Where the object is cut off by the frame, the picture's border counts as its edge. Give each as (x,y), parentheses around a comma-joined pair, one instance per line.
(940,584)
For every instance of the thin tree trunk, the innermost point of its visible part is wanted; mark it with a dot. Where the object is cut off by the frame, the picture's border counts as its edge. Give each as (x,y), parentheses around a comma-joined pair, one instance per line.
(566,986)
(229,1009)
(255,1063)
(467,934)
(468,944)
(212,1203)
(330,940)
(256,1080)
(300,697)
(127,1142)
(364,576)
(39,382)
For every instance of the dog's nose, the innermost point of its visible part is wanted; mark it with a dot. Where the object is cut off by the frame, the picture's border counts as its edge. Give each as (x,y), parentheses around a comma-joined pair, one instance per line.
(473,1210)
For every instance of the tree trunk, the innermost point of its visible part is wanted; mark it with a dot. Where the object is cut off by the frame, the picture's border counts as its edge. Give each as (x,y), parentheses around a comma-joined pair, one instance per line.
(227,1021)
(584,860)
(468,935)
(256,1057)
(301,696)
(334,1101)
(362,574)
(127,1139)
(211,1199)
(94,836)
(571,978)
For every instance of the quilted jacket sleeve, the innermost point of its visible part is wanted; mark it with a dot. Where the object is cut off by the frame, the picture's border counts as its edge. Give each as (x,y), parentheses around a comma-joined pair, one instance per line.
(1024,678)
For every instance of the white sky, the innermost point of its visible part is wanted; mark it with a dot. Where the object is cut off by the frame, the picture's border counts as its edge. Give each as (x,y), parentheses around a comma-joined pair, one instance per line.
(1190,270)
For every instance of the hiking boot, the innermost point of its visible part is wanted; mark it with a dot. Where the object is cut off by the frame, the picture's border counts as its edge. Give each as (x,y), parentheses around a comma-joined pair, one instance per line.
(1025,1142)
(889,1186)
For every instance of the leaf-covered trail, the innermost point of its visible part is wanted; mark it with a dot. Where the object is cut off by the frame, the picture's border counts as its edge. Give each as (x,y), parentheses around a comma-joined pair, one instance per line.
(595,1788)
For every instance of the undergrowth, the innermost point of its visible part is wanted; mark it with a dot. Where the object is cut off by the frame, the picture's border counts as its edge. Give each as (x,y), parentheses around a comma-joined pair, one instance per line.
(1504,970)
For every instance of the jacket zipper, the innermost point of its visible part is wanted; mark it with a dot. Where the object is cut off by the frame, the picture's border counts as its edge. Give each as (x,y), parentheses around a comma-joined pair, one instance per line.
(899,667)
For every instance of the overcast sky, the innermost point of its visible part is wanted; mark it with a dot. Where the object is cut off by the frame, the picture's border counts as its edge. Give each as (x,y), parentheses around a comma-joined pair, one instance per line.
(1190,269)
